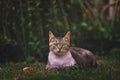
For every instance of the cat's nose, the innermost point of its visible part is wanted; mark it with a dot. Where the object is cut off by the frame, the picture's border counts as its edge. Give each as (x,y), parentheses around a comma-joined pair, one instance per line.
(59,51)
(59,46)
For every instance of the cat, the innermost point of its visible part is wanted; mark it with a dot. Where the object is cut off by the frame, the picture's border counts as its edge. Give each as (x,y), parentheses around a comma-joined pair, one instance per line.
(61,55)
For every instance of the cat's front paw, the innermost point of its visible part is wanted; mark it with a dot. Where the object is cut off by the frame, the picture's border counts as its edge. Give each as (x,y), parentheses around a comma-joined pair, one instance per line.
(50,67)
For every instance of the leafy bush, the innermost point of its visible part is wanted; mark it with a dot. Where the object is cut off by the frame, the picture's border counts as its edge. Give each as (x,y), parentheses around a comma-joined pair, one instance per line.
(27,23)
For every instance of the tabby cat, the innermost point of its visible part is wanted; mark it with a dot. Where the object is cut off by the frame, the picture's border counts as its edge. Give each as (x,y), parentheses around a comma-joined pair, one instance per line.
(62,55)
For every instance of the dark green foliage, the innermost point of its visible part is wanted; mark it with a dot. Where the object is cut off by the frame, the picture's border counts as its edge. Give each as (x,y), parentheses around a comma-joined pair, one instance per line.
(26,23)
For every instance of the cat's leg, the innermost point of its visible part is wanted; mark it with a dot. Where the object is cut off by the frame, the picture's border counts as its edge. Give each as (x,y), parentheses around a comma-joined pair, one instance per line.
(48,66)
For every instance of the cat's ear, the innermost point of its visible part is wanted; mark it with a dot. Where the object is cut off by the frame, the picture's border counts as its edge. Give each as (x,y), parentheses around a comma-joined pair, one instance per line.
(51,35)
(67,36)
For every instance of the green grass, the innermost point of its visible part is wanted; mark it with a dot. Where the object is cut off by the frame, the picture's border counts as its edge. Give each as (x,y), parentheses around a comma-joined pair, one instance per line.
(108,69)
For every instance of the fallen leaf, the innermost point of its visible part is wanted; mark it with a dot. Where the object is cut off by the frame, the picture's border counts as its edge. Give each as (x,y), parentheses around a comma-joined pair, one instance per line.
(28,69)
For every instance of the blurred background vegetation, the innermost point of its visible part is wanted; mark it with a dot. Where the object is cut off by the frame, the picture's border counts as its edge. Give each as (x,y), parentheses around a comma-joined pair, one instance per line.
(24,26)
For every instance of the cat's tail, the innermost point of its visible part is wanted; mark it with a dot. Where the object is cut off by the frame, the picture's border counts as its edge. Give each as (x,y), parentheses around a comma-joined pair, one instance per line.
(90,57)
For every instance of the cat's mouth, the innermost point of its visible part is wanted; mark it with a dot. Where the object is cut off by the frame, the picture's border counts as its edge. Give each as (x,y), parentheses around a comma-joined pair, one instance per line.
(59,51)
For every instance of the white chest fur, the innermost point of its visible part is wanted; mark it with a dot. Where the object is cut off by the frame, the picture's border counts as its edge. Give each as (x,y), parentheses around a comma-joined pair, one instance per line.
(61,61)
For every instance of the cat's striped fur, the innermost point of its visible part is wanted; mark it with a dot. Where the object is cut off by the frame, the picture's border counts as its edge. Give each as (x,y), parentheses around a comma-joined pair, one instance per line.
(62,55)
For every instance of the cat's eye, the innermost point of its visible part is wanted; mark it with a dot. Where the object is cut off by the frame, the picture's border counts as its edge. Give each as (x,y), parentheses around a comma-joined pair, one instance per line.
(65,45)
(55,44)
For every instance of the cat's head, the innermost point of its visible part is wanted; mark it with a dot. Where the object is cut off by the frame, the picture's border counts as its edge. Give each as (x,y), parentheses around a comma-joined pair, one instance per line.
(59,45)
